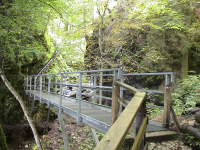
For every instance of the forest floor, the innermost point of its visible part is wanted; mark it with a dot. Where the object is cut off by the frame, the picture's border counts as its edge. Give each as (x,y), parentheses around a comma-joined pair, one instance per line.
(80,138)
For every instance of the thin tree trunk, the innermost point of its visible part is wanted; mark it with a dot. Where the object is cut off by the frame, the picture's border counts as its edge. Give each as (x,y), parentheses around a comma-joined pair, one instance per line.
(20,100)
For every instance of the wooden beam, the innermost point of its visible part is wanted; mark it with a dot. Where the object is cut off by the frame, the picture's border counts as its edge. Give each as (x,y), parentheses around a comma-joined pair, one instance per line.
(139,120)
(140,135)
(115,103)
(146,146)
(167,104)
(127,87)
(116,134)
(122,102)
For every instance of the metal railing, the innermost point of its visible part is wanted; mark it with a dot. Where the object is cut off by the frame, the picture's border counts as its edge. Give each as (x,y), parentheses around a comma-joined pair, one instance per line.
(115,136)
(57,82)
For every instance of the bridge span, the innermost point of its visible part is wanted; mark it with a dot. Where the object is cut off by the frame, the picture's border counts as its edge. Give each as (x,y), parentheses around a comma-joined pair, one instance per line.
(64,91)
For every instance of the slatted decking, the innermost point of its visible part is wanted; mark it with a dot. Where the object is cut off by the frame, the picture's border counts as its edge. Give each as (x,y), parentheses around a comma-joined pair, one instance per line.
(93,115)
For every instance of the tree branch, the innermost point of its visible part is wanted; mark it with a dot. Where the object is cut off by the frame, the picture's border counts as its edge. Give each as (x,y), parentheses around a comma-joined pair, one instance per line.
(20,100)
(51,7)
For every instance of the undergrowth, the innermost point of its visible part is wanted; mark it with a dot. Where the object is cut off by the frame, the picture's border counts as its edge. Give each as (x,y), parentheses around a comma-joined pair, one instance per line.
(187,94)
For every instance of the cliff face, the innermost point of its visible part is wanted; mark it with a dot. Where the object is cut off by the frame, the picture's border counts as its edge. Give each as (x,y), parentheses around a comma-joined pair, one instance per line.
(23,50)
(166,39)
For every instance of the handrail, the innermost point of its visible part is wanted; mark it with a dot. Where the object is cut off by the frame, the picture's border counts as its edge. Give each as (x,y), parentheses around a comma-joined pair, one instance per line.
(127,87)
(115,136)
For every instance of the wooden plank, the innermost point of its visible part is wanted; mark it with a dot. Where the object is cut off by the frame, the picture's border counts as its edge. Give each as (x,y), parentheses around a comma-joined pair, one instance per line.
(140,135)
(167,104)
(127,87)
(115,104)
(160,134)
(146,146)
(116,134)
(139,120)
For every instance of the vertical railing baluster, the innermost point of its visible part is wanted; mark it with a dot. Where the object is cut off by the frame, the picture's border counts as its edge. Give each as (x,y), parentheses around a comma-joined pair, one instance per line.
(95,91)
(49,88)
(77,83)
(30,86)
(61,86)
(35,78)
(40,88)
(26,82)
(56,87)
(120,78)
(79,99)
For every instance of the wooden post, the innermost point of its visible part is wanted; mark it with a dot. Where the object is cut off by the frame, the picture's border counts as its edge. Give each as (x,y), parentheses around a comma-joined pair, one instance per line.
(167,104)
(139,119)
(115,103)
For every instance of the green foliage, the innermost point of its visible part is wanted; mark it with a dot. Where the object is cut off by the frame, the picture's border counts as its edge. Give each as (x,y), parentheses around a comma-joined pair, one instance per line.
(148,36)
(24,47)
(3,144)
(191,140)
(187,94)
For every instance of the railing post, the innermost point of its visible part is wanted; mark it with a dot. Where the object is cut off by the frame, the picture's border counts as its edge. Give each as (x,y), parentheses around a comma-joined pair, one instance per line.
(139,119)
(49,86)
(61,86)
(79,99)
(56,87)
(95,92)
(121,78)
(30,86)
(77,83)
(115,96)
(40,88)
(167,103)
(26,82)
(35,78)
(115,103)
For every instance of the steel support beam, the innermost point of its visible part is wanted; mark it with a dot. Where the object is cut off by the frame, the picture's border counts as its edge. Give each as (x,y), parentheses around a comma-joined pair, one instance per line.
(66,143)
(94,135)
(48,113)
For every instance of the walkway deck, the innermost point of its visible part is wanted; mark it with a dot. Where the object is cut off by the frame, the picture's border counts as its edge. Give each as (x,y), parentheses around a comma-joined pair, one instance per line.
(93,115)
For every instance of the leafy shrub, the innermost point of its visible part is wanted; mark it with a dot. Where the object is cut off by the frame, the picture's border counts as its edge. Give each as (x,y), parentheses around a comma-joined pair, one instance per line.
(186,95)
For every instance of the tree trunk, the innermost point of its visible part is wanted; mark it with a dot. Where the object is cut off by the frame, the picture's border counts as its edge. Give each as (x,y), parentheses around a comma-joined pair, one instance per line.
(20,100)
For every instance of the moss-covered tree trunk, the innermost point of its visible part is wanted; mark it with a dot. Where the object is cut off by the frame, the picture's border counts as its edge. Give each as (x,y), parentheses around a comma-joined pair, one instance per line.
(3,144)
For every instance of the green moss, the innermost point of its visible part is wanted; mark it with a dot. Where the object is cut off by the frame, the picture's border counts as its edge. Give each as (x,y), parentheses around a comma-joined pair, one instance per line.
(3,144)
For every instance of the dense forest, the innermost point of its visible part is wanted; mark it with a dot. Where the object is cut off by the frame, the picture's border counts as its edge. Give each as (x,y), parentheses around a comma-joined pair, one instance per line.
(140,35)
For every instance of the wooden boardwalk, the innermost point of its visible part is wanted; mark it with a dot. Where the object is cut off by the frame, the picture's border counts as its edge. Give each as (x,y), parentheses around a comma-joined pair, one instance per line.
(93,115)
